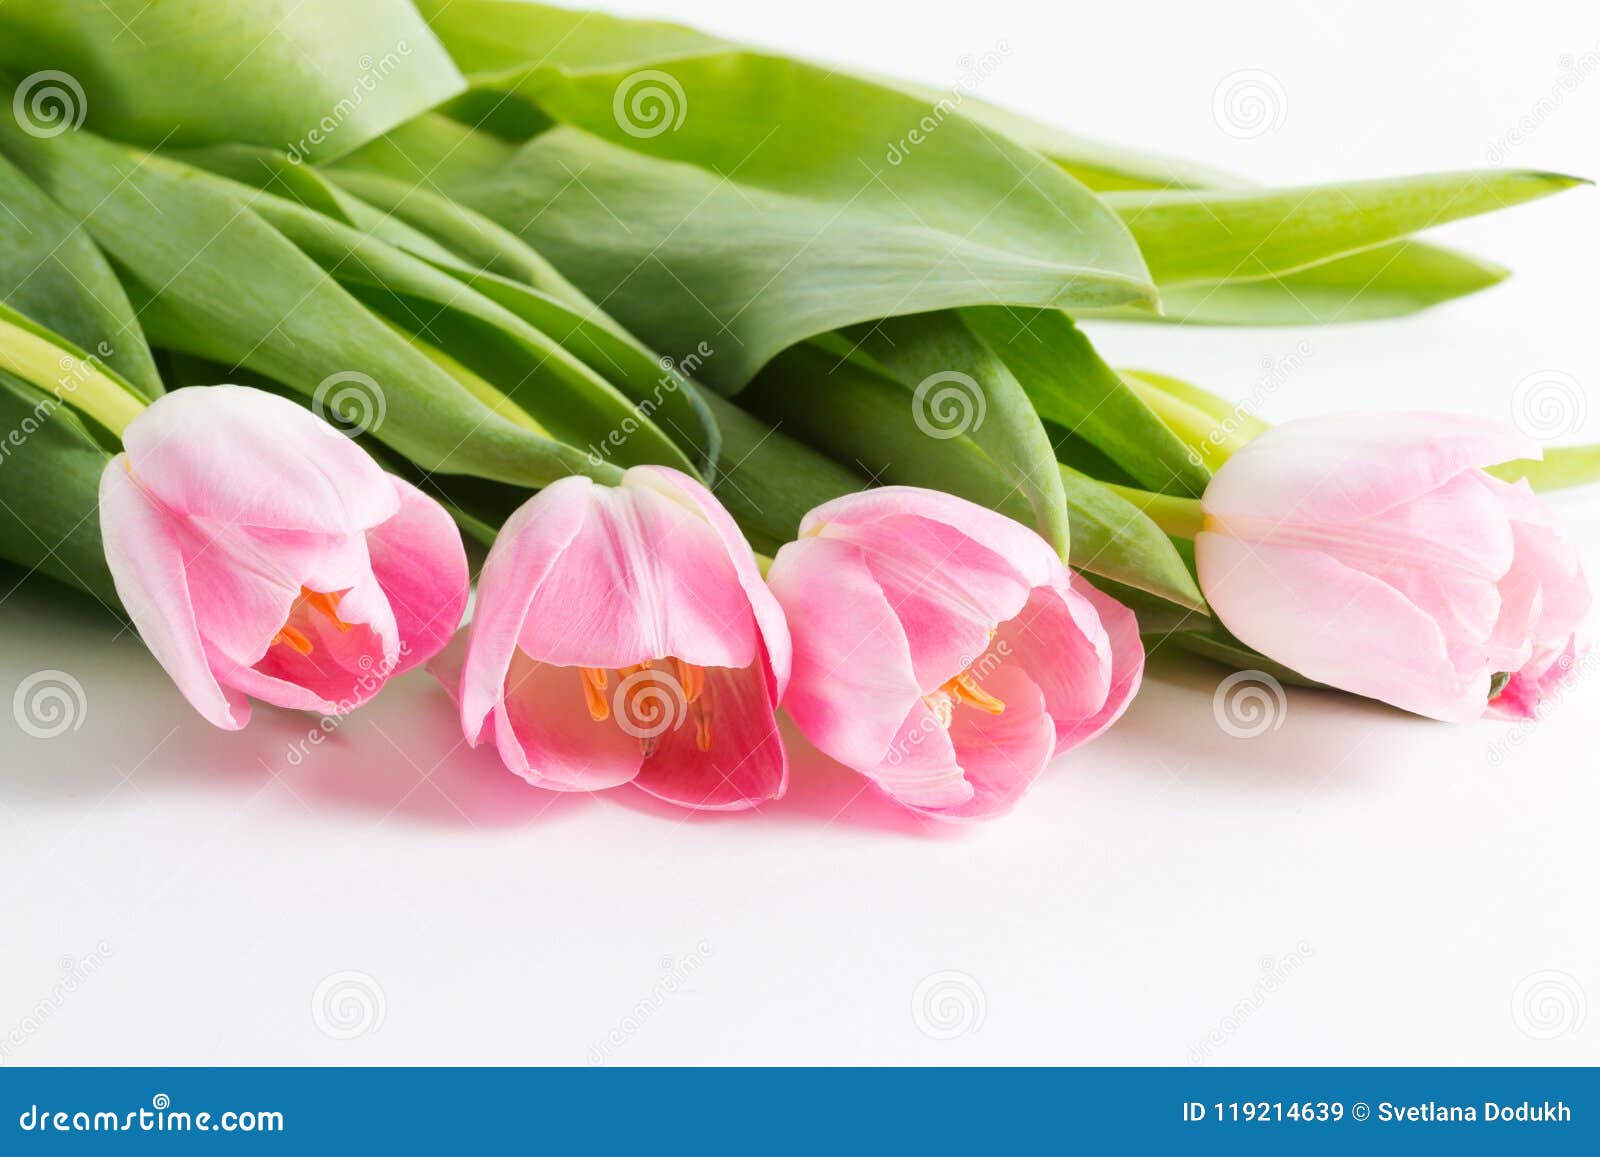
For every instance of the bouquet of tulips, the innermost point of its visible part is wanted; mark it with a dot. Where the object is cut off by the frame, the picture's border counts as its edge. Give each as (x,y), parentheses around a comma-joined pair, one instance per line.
(755,385)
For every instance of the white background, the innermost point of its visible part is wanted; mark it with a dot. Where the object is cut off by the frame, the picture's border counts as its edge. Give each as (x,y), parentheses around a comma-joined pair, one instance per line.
(1410,892)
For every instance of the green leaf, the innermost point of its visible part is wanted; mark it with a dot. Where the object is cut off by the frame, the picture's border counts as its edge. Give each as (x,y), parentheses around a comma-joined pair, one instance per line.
(957,383)
(1394,280)
(1071,386)
(438,232)
(313,79)
(211,277)
(1561,467)
(787,200)
(1192,237)
(50,467)
(864,419)
(51,271)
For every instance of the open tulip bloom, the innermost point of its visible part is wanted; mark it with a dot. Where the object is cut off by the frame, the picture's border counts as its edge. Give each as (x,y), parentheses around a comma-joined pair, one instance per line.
(623,635)
(943,650)
(1372,552)
(261,554)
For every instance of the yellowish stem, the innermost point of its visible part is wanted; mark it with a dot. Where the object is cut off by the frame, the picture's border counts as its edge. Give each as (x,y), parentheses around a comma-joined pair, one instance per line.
(1179,517)
(76,381)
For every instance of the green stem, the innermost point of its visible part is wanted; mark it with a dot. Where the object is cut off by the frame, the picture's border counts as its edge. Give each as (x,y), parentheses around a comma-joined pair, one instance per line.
(1194,427)
(74,380)
(1179,517)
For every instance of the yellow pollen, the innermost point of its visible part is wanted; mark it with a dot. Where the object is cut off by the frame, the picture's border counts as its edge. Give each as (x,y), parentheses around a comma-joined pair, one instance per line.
(293,638)
(964,689)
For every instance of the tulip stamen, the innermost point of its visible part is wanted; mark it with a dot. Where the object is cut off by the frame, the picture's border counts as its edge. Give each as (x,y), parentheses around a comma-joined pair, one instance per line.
(691,678)
(964,689)
(594,693)
(651,705)
(291,637)
(702,726)
(326,603)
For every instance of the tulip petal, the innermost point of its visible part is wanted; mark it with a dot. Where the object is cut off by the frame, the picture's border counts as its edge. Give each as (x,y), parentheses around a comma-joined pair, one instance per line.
(948,591)
(1321,470)
(920,770)
(1082,649)
(1336,625)
(246,457)
(746,764)
(1127,668)
(1028,553)
(245,582)
(768,615)
(421,566)
(343,670)
(1001,755)
(853,684)
(528,547)
(546,735)
(144,550)
(645,577)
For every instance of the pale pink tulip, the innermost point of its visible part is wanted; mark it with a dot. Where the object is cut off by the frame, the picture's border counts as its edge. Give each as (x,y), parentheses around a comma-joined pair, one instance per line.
(1371,552)
(623,635)
(943,651)
(261,554)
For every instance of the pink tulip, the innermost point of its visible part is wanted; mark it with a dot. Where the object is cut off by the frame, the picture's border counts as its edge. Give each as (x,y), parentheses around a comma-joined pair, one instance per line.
(1372,553)
(263,554)
(943,651)
(623,635)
